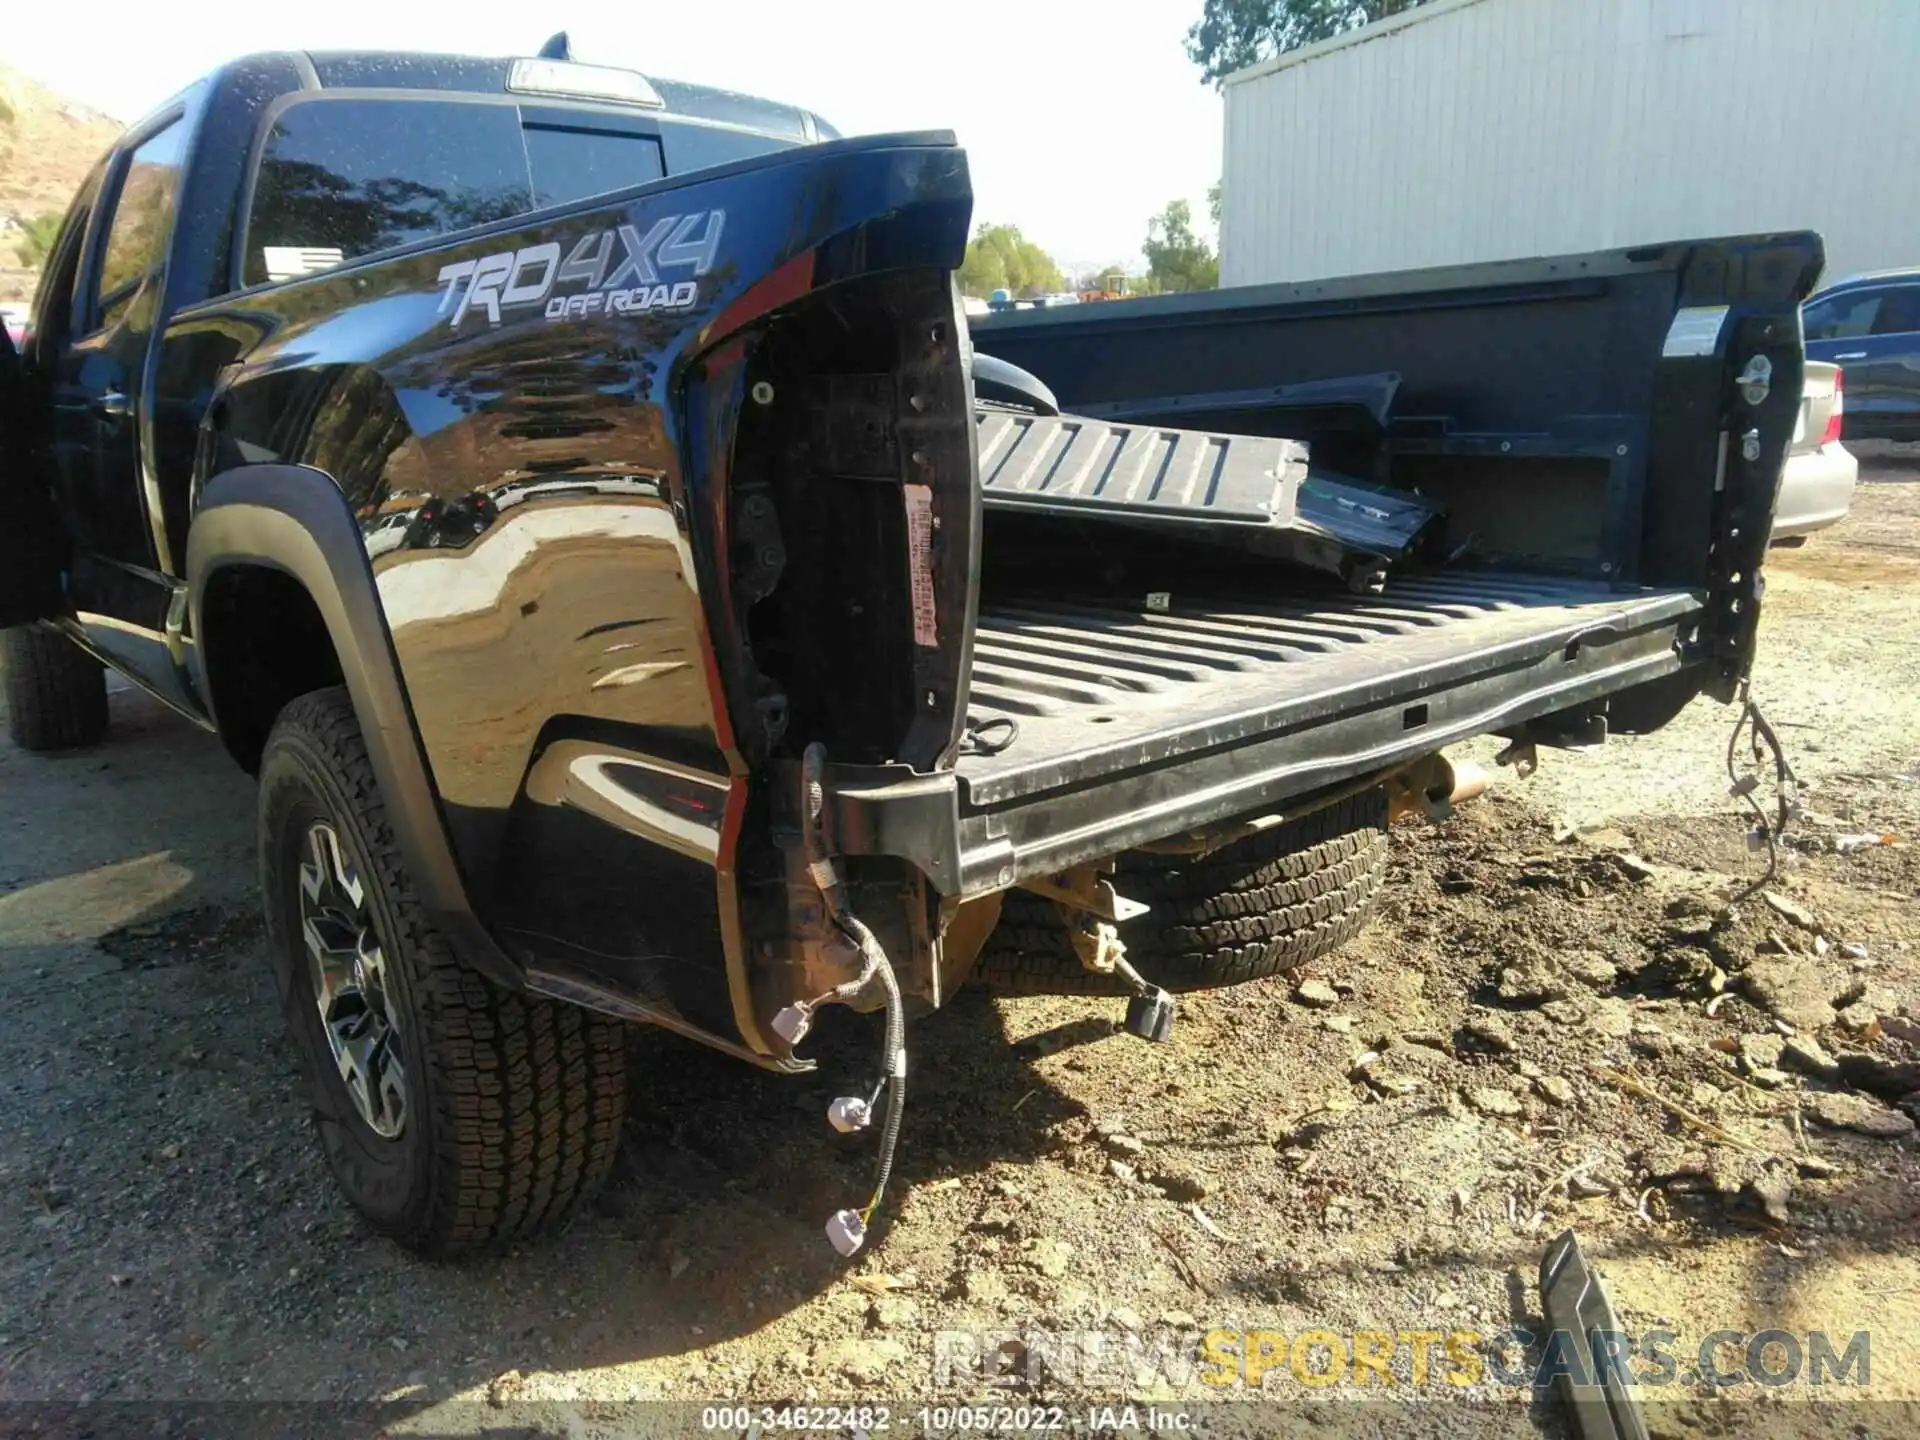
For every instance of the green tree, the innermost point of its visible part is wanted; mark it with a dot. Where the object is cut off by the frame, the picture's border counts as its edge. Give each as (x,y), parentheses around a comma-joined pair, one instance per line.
(1178,259)
(999,257)
(1233,34)
(36,238)
(1215,195)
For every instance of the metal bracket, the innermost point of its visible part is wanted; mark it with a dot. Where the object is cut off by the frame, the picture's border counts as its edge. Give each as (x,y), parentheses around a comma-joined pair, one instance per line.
(1577,729)
(1084,889)
(1090,911)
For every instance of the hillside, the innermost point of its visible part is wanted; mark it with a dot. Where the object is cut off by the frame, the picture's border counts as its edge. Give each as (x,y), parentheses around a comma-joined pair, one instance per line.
(47,144)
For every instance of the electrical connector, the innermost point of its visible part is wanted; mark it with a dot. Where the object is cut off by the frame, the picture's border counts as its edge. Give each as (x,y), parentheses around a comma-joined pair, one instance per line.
(847,1231)
(849,1113)
(1150,1016)
(792,1023)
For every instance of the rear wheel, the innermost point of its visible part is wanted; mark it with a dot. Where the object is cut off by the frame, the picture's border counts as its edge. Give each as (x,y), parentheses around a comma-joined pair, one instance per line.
(1259,907)
(56,692)
(453,1113)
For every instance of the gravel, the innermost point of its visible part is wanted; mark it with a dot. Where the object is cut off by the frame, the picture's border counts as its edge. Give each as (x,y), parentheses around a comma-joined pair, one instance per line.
(169,1231)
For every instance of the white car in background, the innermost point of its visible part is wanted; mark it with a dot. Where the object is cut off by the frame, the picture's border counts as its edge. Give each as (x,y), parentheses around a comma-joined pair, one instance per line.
(1816,484)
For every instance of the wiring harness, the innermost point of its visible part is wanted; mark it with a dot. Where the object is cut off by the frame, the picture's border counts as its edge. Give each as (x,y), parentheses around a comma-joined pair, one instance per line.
(847,1229)
(1766,749)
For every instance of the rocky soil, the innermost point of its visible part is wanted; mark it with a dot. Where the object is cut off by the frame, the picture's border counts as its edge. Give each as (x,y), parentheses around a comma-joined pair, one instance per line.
(1557,1019)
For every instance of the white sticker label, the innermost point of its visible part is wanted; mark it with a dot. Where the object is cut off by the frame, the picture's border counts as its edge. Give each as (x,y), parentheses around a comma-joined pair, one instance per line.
(290,262)
(926,630)
(1694,331)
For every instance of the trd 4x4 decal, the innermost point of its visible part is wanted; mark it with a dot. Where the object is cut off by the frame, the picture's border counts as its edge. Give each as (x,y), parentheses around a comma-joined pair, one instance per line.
(630,284)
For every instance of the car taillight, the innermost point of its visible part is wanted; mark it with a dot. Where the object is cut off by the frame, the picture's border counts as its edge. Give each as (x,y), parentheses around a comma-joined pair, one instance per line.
(1832,433)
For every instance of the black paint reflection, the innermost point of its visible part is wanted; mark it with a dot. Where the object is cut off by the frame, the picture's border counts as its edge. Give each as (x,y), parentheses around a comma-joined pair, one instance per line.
(523,497)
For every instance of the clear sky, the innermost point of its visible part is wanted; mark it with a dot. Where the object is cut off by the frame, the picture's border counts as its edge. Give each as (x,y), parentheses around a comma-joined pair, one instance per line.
(1081,117)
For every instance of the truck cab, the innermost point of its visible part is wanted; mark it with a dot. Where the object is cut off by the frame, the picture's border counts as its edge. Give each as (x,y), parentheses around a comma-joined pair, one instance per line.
(273,167)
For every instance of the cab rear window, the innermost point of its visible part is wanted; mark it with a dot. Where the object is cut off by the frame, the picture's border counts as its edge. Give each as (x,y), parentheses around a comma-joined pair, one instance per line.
(343,178)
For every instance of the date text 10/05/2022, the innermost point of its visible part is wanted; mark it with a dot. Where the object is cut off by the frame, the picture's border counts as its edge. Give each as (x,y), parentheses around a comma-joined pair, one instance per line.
(868,1420)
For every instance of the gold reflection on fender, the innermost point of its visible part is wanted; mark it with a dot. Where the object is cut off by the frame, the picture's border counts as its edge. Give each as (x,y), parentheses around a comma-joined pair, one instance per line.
(561,604)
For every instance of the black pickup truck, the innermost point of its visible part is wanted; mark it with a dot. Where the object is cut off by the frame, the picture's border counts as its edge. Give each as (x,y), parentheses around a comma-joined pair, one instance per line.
(571,496)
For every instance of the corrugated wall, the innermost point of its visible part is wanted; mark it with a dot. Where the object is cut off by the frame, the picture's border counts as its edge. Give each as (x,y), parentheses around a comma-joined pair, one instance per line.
(1495,129)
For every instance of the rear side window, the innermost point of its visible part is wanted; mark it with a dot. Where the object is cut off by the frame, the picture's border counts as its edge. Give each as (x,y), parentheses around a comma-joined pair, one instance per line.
(1842,317)
(1899,312)
(696,147)
(571,163)
(343,178)
(141,221)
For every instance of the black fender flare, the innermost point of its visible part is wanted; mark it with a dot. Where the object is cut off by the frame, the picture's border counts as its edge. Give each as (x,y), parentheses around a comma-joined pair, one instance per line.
(295,519)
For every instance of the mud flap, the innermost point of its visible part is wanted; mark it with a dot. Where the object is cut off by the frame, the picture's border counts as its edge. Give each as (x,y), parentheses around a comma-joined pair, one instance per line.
(32,545)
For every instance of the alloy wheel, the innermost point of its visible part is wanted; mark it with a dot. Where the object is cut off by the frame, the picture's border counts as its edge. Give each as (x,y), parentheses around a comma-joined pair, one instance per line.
(350,982)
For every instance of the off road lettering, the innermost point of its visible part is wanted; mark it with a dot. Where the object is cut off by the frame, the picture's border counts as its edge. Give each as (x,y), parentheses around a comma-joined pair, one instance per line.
(619,270)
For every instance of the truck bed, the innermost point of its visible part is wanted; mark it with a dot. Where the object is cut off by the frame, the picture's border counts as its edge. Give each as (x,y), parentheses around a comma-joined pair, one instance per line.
(1128,720)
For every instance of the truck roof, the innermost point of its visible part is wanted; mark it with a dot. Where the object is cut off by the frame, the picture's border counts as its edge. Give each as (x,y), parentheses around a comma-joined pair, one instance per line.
(476,74)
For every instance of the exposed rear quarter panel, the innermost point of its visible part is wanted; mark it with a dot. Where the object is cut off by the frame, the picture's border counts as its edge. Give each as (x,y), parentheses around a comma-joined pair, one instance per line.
(520,471)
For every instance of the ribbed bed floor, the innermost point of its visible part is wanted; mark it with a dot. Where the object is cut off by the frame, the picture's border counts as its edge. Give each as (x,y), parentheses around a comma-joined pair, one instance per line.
(1081,676)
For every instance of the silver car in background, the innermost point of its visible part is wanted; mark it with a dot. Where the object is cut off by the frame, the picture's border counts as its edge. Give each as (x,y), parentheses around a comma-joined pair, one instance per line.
(1816,484)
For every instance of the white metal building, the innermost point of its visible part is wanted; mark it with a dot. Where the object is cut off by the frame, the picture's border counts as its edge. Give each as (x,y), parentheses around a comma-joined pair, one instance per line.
(1494,129)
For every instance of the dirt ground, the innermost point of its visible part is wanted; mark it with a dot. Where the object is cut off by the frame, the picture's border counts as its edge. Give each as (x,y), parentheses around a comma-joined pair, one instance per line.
(1388,1150)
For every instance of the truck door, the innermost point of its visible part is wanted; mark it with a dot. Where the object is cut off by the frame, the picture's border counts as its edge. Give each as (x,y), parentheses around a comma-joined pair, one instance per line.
(34,549)
(119,583)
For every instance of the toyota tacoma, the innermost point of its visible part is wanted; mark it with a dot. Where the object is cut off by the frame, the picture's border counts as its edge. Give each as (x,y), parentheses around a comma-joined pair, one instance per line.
(582,502)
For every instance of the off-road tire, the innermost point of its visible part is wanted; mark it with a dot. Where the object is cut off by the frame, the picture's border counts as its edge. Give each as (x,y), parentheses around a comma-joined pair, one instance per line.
(56,692)
(1255,908)
(515,1102)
